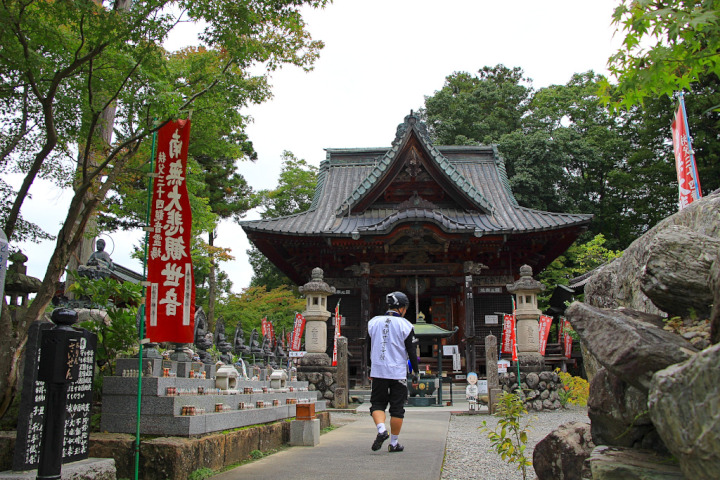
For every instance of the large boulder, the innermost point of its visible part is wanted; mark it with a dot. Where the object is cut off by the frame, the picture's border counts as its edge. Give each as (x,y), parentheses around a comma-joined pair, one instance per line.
(615,463)
(618,414)
(685,408)
(676,275)
(563,454)
(626,344)
(617,284)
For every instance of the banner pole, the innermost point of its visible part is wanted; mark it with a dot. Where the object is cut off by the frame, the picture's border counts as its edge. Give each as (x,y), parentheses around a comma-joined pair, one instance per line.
(141,329)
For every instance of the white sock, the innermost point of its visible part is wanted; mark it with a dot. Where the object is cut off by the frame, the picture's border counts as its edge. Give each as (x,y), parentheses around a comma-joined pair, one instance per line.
(394,440)
(381,428)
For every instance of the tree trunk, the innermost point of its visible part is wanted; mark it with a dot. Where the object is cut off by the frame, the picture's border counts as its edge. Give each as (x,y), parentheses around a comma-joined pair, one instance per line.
(212,286)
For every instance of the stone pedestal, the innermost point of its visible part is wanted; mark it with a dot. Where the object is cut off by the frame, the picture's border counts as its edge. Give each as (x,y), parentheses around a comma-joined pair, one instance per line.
(315,367)
(305,433)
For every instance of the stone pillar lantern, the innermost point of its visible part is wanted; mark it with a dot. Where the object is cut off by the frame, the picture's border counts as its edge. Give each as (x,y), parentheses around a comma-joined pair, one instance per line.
(527,315)
(316,315)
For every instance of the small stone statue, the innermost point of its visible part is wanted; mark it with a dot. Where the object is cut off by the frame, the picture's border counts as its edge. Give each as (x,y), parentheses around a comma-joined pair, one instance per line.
(99,264)
(239,341)
(254,344)
(221,342)
(203,338)
(100,258)
(471,391)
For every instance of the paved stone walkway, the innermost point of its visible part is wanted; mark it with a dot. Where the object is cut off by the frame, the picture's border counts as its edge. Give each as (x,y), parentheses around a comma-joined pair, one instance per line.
(345,454)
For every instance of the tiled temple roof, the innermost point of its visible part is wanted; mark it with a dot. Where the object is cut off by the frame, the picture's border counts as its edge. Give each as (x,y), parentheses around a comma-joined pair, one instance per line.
(476,173)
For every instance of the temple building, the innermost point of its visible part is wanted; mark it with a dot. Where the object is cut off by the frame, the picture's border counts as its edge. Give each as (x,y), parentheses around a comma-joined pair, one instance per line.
(439,223)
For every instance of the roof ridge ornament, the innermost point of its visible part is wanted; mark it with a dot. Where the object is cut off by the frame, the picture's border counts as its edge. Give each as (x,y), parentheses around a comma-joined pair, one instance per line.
(411,121)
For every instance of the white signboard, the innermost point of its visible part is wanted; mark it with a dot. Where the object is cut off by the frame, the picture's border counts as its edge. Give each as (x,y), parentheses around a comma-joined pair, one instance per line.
(449,350)
(492,319)
(299,354)
(482,387)
(503,366)
(456,362)
(342,320)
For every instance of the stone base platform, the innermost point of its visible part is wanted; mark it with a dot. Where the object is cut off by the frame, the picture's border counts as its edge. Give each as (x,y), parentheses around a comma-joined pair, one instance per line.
(88,469)
(163,414)
(162,458)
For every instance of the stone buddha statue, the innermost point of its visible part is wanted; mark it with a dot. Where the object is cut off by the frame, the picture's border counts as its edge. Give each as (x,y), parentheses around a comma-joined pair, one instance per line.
(100,258)
(99,264)
(221,342)
(239,347)
(255,346)
(202,339)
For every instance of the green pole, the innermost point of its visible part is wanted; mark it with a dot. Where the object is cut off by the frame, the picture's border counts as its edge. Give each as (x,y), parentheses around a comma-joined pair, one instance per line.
(141,332)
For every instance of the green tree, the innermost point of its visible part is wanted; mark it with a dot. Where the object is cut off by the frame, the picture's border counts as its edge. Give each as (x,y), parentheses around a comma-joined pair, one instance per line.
(293,194)
(478,108)
(63,63)
(580,258)
(667,46)
(250,306)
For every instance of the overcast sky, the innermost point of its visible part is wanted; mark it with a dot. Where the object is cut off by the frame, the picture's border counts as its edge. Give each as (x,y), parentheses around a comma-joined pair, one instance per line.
(381,59)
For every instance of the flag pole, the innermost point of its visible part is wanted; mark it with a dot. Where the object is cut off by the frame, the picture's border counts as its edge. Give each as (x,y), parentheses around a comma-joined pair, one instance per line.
(141,326)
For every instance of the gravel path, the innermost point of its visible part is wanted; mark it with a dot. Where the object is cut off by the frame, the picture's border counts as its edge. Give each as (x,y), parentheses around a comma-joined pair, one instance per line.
(469,455)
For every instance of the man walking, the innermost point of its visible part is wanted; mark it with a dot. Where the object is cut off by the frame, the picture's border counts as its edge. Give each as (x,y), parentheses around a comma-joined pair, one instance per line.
(391,342)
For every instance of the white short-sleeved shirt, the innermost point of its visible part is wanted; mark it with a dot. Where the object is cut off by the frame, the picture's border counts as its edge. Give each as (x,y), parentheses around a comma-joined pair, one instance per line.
(388,355)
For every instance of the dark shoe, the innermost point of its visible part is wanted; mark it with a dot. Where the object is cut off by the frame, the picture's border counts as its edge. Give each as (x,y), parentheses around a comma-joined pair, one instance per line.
(381,437)
(395,448)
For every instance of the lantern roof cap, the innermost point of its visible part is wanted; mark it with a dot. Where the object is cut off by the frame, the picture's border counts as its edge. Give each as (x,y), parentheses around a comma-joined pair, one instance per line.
(526,282)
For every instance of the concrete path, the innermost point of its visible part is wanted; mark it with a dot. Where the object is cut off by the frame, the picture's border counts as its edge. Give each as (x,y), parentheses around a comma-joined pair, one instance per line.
(344,453)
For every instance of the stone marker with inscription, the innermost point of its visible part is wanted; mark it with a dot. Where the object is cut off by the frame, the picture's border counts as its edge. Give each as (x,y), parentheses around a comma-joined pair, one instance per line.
(33,401)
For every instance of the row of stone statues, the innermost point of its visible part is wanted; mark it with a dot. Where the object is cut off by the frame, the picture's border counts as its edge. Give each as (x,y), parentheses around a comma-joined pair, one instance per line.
(255,350)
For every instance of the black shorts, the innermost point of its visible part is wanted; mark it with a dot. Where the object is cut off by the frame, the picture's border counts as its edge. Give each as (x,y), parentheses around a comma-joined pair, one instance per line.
(387,391)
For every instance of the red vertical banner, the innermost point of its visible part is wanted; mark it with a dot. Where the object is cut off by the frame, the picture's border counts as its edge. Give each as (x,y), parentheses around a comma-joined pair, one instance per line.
(338,321)
(171,294)
(687,175)
(544,331)
(264,329)
(271,329)
(508,334)
(297,332)
(568,339)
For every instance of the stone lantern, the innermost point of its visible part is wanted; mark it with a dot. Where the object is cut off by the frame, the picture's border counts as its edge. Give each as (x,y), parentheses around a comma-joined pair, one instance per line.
(316,315)
(527,315)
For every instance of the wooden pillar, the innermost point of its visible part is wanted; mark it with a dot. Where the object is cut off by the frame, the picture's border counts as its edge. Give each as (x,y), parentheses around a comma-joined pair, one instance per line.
(469,303)
(364,319)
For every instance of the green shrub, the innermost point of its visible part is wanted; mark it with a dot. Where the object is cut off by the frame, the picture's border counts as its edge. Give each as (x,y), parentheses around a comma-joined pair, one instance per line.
(511,439)
(575,390)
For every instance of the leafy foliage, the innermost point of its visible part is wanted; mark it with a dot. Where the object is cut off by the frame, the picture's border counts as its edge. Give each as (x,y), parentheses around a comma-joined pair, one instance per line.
(118,332)
(511,441)
(575,390)
(248,308)
(580,258)
(668,45)
(70,70)
(567,152)
(470,109)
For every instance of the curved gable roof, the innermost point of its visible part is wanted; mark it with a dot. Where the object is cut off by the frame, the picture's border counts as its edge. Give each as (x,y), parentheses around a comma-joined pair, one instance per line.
(389,165)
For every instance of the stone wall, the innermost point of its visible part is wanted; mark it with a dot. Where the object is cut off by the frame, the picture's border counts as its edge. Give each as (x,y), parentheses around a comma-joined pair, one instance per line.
(178,457)
(539,390)
(324,383)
